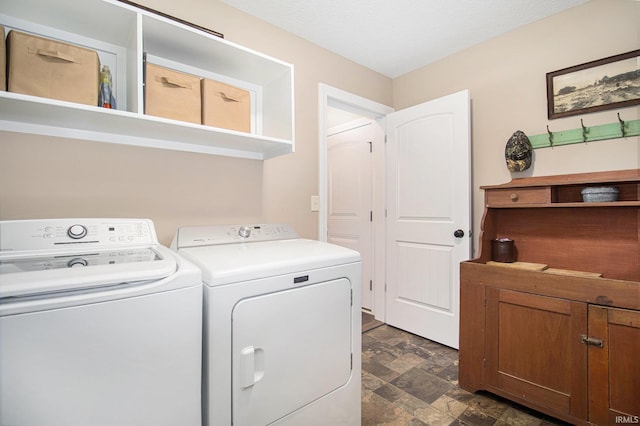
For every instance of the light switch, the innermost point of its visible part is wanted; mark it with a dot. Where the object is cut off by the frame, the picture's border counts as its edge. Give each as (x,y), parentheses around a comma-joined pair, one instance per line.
(315,203)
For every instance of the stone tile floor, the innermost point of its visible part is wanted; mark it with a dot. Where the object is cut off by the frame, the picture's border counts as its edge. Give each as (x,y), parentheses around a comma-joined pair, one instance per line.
(411,381)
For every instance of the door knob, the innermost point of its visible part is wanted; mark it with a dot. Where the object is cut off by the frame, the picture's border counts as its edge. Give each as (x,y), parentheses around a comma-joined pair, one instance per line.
(459,233)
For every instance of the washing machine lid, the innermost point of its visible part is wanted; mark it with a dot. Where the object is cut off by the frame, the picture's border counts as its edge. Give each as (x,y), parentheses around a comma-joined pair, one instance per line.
(232,263)
(63,255)
(28,276)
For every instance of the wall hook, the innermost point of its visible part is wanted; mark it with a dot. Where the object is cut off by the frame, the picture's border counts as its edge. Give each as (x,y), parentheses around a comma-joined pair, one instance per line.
(583,134)
(621,126)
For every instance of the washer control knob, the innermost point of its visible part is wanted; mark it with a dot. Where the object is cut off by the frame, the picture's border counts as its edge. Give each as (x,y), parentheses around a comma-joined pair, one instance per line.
(77,231)
(77,261)
(244,231)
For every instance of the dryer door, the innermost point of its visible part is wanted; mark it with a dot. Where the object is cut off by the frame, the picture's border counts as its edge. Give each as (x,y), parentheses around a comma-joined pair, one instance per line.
(290,348)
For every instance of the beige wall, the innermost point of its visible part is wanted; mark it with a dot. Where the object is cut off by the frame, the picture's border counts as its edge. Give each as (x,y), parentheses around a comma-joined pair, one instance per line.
(52,177)
(506,79)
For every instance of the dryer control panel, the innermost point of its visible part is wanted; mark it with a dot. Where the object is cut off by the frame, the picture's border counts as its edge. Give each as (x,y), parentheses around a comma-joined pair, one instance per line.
(68,234)
(196,236)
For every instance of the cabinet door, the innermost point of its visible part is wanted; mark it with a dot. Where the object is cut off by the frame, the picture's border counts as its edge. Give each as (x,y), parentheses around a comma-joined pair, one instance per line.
(614,376)
(534,351)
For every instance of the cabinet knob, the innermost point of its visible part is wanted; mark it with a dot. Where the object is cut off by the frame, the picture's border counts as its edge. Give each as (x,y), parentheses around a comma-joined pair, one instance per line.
(514,197)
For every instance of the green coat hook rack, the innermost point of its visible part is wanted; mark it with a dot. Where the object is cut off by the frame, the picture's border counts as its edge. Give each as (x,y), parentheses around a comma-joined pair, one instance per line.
(621,129)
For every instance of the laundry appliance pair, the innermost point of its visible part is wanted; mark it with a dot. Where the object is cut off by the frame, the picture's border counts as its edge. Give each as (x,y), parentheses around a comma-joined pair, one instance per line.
(101,325)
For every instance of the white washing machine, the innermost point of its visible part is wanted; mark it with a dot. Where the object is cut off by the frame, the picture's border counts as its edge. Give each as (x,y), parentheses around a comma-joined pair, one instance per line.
(99,325)
(282,326)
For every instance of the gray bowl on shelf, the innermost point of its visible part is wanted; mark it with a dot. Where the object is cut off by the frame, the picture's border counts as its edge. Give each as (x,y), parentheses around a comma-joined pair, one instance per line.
(600,194)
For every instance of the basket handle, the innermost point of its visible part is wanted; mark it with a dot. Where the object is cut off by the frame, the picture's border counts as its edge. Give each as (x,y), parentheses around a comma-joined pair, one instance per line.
(173,82)
(227,98)
(55,54)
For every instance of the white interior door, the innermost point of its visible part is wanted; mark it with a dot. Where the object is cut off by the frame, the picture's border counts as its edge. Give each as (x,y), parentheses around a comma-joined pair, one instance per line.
(429,204)
(350,195)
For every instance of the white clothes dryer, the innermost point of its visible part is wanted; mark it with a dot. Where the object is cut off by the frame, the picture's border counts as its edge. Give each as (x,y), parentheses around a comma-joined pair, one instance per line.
(99,325)
(282,326)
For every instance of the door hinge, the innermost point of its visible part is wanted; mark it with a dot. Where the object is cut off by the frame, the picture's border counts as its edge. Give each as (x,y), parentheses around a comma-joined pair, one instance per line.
(370,146)
(370,285)
(370,215)
(484,363)
(385,138)
(351,361)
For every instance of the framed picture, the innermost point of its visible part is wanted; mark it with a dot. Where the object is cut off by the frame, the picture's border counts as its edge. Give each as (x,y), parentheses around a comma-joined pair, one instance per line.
(608,83)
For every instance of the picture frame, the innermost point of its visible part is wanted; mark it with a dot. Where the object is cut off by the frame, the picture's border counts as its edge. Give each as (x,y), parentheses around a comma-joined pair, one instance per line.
(608,83)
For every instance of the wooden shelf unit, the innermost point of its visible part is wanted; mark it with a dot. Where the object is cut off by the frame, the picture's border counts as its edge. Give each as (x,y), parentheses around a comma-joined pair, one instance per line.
(522,331)
(122,35)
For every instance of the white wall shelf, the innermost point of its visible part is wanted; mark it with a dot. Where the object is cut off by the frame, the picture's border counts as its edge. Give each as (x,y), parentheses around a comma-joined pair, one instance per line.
(122,34)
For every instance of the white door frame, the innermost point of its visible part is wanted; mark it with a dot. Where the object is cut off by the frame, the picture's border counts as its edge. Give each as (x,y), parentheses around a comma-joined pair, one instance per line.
(337,98)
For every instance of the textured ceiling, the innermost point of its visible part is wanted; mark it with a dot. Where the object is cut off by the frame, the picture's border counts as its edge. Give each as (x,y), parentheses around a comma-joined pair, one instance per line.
(394,37)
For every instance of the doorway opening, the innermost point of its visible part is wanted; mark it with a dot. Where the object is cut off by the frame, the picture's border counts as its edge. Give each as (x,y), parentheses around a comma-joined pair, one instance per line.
(346,211)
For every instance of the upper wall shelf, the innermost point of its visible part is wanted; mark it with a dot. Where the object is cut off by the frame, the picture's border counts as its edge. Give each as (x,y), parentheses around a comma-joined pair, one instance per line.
(122,34)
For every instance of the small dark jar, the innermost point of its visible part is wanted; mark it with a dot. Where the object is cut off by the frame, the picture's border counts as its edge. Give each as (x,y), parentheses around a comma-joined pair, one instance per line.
(503,250)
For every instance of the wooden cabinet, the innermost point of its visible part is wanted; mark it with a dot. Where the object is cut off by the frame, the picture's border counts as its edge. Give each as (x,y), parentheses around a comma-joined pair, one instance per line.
(559,330)
(122,35)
